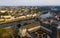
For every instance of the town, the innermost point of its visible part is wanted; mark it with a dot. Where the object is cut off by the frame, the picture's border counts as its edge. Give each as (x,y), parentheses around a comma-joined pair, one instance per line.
(30,22)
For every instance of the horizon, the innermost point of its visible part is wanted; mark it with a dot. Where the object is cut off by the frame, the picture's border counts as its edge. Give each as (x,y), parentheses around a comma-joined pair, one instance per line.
(28,3)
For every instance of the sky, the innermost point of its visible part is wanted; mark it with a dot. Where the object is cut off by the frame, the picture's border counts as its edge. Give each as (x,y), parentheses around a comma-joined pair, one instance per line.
(29,2)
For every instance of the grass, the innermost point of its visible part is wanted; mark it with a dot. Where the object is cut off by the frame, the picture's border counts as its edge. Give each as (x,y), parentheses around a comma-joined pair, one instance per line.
(6,32)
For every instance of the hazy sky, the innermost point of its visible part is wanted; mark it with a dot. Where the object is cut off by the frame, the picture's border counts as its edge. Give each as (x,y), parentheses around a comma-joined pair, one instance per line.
(29,2)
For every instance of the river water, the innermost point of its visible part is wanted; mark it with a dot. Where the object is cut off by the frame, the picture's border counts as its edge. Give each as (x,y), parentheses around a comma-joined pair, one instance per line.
(15,23)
